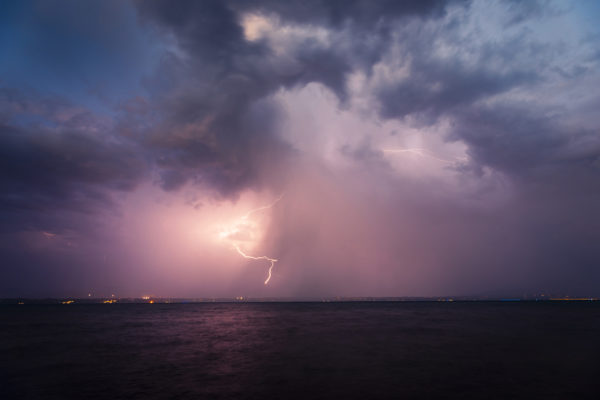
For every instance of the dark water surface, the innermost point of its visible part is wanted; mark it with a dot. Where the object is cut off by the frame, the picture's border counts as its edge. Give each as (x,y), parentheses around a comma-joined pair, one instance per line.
(301,351)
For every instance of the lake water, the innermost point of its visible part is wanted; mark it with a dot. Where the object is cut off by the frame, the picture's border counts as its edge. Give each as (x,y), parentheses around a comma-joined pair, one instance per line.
(378,350)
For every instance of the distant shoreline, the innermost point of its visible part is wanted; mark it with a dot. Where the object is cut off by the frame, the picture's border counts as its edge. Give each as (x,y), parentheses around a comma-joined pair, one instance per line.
(162,300)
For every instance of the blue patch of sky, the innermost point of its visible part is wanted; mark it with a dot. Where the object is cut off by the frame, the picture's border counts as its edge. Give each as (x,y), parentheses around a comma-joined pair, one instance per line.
(588,13)
(91,53)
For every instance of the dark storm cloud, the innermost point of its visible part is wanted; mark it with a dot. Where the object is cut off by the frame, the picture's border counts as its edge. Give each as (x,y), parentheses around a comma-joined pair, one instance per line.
(64,66)
(555,169)
(214,138)
(531,146)
(212,94)
(436,87)
(52,158)
(204,129)
(526,141)
(362,13)
(210,129)
(206,124)
(549,153)
(175,93)
(448,69)
(363,29)
(207,120)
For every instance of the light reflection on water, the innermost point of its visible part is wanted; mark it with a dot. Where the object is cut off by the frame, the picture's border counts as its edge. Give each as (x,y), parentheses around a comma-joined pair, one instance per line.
(300,350)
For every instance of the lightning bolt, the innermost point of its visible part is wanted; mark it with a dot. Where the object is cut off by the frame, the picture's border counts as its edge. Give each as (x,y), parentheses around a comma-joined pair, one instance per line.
(271,260)
(418,151)
(249,213)
(226,234)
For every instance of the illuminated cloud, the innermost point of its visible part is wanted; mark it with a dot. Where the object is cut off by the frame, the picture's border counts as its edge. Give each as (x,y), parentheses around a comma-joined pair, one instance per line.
(424,147)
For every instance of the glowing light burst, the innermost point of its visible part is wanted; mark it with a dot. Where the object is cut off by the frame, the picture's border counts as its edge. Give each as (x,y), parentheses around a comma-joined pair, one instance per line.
(245,226)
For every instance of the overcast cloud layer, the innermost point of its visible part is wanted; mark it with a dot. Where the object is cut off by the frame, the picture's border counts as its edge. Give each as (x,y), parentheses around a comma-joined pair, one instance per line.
(418,148)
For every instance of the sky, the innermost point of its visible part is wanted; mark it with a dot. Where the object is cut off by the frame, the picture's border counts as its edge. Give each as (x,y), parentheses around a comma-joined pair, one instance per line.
(299,148)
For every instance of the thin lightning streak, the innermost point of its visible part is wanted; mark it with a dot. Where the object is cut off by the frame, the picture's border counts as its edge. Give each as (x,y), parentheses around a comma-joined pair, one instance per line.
(249,213)
(418,151)
(271,260)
